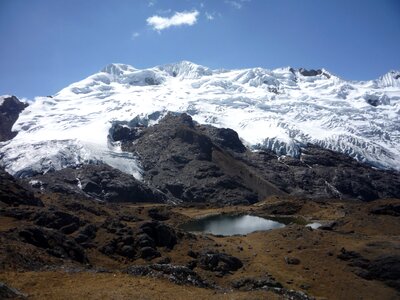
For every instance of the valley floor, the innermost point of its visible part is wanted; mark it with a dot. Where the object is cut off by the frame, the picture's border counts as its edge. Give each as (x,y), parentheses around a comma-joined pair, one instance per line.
(356,255)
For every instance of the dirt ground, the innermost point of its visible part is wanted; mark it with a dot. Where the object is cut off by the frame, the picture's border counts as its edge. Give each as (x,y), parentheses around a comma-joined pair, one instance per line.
(319,271)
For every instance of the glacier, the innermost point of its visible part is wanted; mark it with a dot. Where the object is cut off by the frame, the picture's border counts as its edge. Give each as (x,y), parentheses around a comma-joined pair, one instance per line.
(280,110)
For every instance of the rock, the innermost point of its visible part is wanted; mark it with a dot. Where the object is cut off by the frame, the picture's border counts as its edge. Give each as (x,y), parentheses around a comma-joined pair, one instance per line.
(313,72)
(123,132)
(292,260)
(178,158)
(54,242)
(348,255)
(177,274)
(121,245)
(144,240)
(163,235)
(149,253)
(385,268)
(282,208)
(386,209)
(65,222)
(332,175)
(328,226)
(18,213)
(199,163)
(12,193)
(10,108)
(114,225)
(192,264)
(159,214)
(193,254)
(85,235)
(218,262)
(224,138)
(250,284)
(164,261)
(100,181)
(7,292)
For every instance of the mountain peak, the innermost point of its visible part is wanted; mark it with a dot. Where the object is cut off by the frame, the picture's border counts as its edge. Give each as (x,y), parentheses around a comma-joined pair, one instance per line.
(117,69)
(185,69)
(310,72)
(390,79)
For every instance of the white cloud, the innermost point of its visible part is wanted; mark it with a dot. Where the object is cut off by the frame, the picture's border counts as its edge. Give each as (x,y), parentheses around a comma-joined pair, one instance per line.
(209,16)
(238,4)
(178,19)
(135,35)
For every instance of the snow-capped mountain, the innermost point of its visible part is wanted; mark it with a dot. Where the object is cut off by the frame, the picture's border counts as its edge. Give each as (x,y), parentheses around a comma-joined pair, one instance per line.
(281,109)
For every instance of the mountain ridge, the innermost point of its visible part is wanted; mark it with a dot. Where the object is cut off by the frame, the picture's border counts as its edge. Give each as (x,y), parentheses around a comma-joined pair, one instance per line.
(280,110)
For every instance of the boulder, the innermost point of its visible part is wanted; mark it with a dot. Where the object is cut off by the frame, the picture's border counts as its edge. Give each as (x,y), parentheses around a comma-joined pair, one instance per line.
(174,273)
(7,292)
(218,262)
(54,242)
(60,220)
(292,260)
(251,284)
(13,193)
(162,234)
(386,209)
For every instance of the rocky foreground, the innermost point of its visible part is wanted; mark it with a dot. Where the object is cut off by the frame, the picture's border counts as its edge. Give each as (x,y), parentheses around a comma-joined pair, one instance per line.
(60,245)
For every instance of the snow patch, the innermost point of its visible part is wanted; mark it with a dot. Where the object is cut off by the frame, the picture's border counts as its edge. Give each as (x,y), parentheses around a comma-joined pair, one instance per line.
(280,110)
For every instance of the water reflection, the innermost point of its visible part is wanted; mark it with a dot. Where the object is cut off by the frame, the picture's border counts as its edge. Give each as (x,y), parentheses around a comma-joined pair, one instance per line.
(230,225)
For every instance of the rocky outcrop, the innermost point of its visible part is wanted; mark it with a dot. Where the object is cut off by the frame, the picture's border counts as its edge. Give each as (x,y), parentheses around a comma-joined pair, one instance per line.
(324,174)
(384,268)
(7,292)
(98,181)
(13,193)
(54,242)
(386,209)
(200,163)
(174,273)
(221,263)
(10,108)
(194,163)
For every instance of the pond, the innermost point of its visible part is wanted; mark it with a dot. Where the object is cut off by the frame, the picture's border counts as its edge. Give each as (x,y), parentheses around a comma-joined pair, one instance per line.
(228,225)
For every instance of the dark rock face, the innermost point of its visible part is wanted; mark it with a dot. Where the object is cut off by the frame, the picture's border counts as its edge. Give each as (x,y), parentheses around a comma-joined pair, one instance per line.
(87,234)
(193,163)
(162,234)
(321,173)
(385,268)
(196,163)
(292,260)
(9,113)
(251,284)
(218,262)
(99,181)
(159,214)
(62,221)
(149,253)
(54,242)
(122,245)
(7,292)
(143,244)
(313,72)
(283,208)
(13,193)
(386,209)
(177,274)
(270,284)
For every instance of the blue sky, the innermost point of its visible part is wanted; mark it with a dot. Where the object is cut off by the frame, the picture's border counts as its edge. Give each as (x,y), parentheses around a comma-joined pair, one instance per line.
(48,44)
